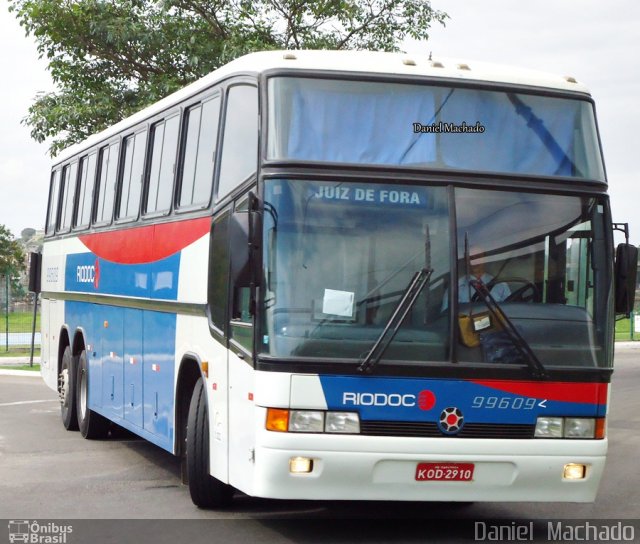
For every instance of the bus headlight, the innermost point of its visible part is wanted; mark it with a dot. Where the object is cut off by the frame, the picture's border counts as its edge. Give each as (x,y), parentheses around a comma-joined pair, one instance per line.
(312,421)
(306,421)
(570,427)
(342,422)
(579,427)
(549,427)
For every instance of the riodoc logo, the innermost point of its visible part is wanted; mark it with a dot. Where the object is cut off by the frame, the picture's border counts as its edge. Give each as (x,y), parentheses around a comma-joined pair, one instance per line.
(425,400)
(38,533)
(89,274)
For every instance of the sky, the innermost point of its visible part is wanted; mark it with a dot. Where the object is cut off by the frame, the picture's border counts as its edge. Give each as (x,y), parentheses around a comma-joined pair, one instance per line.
(594,41)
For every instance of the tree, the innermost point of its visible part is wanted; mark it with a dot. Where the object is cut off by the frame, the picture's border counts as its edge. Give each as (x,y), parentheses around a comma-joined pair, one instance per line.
(110,58)
(11,254)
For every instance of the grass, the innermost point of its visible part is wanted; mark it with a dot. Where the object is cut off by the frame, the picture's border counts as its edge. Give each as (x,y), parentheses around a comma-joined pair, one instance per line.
(18,351)
(19,321)
(623,330)
(34,368)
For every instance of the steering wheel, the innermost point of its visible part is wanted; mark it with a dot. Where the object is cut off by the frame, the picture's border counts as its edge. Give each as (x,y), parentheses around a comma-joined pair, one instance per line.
(529,292)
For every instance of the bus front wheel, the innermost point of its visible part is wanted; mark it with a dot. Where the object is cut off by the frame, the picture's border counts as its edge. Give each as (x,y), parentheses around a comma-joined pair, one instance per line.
(92,424)
(206,491)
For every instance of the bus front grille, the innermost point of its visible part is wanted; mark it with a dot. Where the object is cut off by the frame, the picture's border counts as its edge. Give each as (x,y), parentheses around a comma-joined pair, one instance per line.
(431,429)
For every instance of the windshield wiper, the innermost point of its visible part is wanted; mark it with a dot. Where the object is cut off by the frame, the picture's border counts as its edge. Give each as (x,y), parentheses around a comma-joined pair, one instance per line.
(537,368)
(417,283)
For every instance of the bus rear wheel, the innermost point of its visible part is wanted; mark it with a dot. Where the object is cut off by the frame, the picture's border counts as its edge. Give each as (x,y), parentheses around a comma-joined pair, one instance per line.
(67,391)
(206,491)
(92,424)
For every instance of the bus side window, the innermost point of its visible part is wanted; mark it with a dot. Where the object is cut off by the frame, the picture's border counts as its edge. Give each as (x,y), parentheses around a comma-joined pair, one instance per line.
(163,149)
(219,272)
(107,182)
(54,201)
(198,156)
(131,183)
(85,191)
(240,142)
(69,177)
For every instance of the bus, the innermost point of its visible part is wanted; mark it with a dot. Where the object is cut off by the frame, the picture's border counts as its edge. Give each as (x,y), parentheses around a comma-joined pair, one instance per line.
(344,275)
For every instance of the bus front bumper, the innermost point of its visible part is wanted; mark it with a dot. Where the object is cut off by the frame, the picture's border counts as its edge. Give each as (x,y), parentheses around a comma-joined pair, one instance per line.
(503,470)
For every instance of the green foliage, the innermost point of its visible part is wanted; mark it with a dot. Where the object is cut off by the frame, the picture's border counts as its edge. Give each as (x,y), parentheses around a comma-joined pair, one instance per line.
(110,58)
(11,254)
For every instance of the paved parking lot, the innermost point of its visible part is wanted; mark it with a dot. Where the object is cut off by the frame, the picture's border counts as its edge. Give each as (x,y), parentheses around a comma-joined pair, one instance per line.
(48,472)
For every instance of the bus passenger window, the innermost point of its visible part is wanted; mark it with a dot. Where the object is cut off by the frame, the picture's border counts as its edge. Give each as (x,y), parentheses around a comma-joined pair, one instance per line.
(131,186)
(69,176)
(240,142)
(54,196)
(201,126)
(107,182)
(164,147)
(85,191)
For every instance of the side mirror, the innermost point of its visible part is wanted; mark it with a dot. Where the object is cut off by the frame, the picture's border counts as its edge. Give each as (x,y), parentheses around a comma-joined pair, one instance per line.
(244,233)
(626,269)
(35,268)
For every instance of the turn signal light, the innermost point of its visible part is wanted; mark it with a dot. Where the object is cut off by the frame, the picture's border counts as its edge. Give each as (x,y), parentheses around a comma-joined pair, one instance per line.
(277,420)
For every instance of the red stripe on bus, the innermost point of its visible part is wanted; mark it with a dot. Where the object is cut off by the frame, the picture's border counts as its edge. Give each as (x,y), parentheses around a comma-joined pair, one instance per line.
(146,244)
(591,393)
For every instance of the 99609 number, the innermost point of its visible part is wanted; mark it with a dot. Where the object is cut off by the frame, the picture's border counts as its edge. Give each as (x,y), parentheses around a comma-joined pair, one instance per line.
(504,403)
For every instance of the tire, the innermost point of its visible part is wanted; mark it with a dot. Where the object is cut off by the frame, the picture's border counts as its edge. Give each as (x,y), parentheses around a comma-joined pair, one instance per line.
(67,391)
(206,491)
(92,425)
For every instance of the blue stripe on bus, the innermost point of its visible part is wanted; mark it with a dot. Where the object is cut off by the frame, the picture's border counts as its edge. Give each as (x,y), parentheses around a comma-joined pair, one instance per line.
(398,399)
(86,273)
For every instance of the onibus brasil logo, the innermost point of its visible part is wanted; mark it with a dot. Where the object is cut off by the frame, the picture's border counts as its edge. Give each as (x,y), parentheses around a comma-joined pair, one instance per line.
(38,533)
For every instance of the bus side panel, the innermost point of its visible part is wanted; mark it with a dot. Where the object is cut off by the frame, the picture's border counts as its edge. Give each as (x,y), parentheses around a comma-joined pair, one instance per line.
(49,373)
(52,281)
(94,358)
(112,355)
(133,366)
(242,415)
(193,337)
(159,348)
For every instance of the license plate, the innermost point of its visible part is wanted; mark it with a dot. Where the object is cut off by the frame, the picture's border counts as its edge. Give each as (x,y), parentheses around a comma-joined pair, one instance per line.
(444,472)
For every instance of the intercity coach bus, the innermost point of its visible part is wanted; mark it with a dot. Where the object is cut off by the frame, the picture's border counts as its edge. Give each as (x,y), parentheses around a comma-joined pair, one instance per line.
(344,275)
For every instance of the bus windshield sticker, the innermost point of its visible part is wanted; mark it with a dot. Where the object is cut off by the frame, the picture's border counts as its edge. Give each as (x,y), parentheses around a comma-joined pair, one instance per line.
(338,303)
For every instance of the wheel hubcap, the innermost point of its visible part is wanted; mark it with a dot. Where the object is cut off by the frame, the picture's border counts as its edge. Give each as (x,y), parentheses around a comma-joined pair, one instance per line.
(63,387)
(83,395)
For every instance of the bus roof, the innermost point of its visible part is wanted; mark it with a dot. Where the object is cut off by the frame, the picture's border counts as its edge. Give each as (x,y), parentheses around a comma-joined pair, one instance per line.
(400,64)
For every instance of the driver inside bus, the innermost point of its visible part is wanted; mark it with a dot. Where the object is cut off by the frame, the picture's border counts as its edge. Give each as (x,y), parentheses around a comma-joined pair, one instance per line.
(499,290)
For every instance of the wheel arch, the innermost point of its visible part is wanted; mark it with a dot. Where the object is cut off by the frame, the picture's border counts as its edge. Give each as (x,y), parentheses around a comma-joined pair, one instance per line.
(189,371)
(78,342)
(63,342)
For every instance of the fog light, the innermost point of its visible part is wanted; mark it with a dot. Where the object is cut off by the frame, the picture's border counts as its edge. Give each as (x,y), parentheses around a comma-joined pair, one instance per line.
(300,465)
(573,471)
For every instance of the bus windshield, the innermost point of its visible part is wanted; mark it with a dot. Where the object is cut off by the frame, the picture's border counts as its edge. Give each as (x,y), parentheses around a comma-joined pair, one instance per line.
(429,126)
(338,257)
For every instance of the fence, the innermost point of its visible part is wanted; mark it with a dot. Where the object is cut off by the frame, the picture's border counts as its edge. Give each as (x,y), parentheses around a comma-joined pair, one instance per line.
(629,329)
(16,320)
